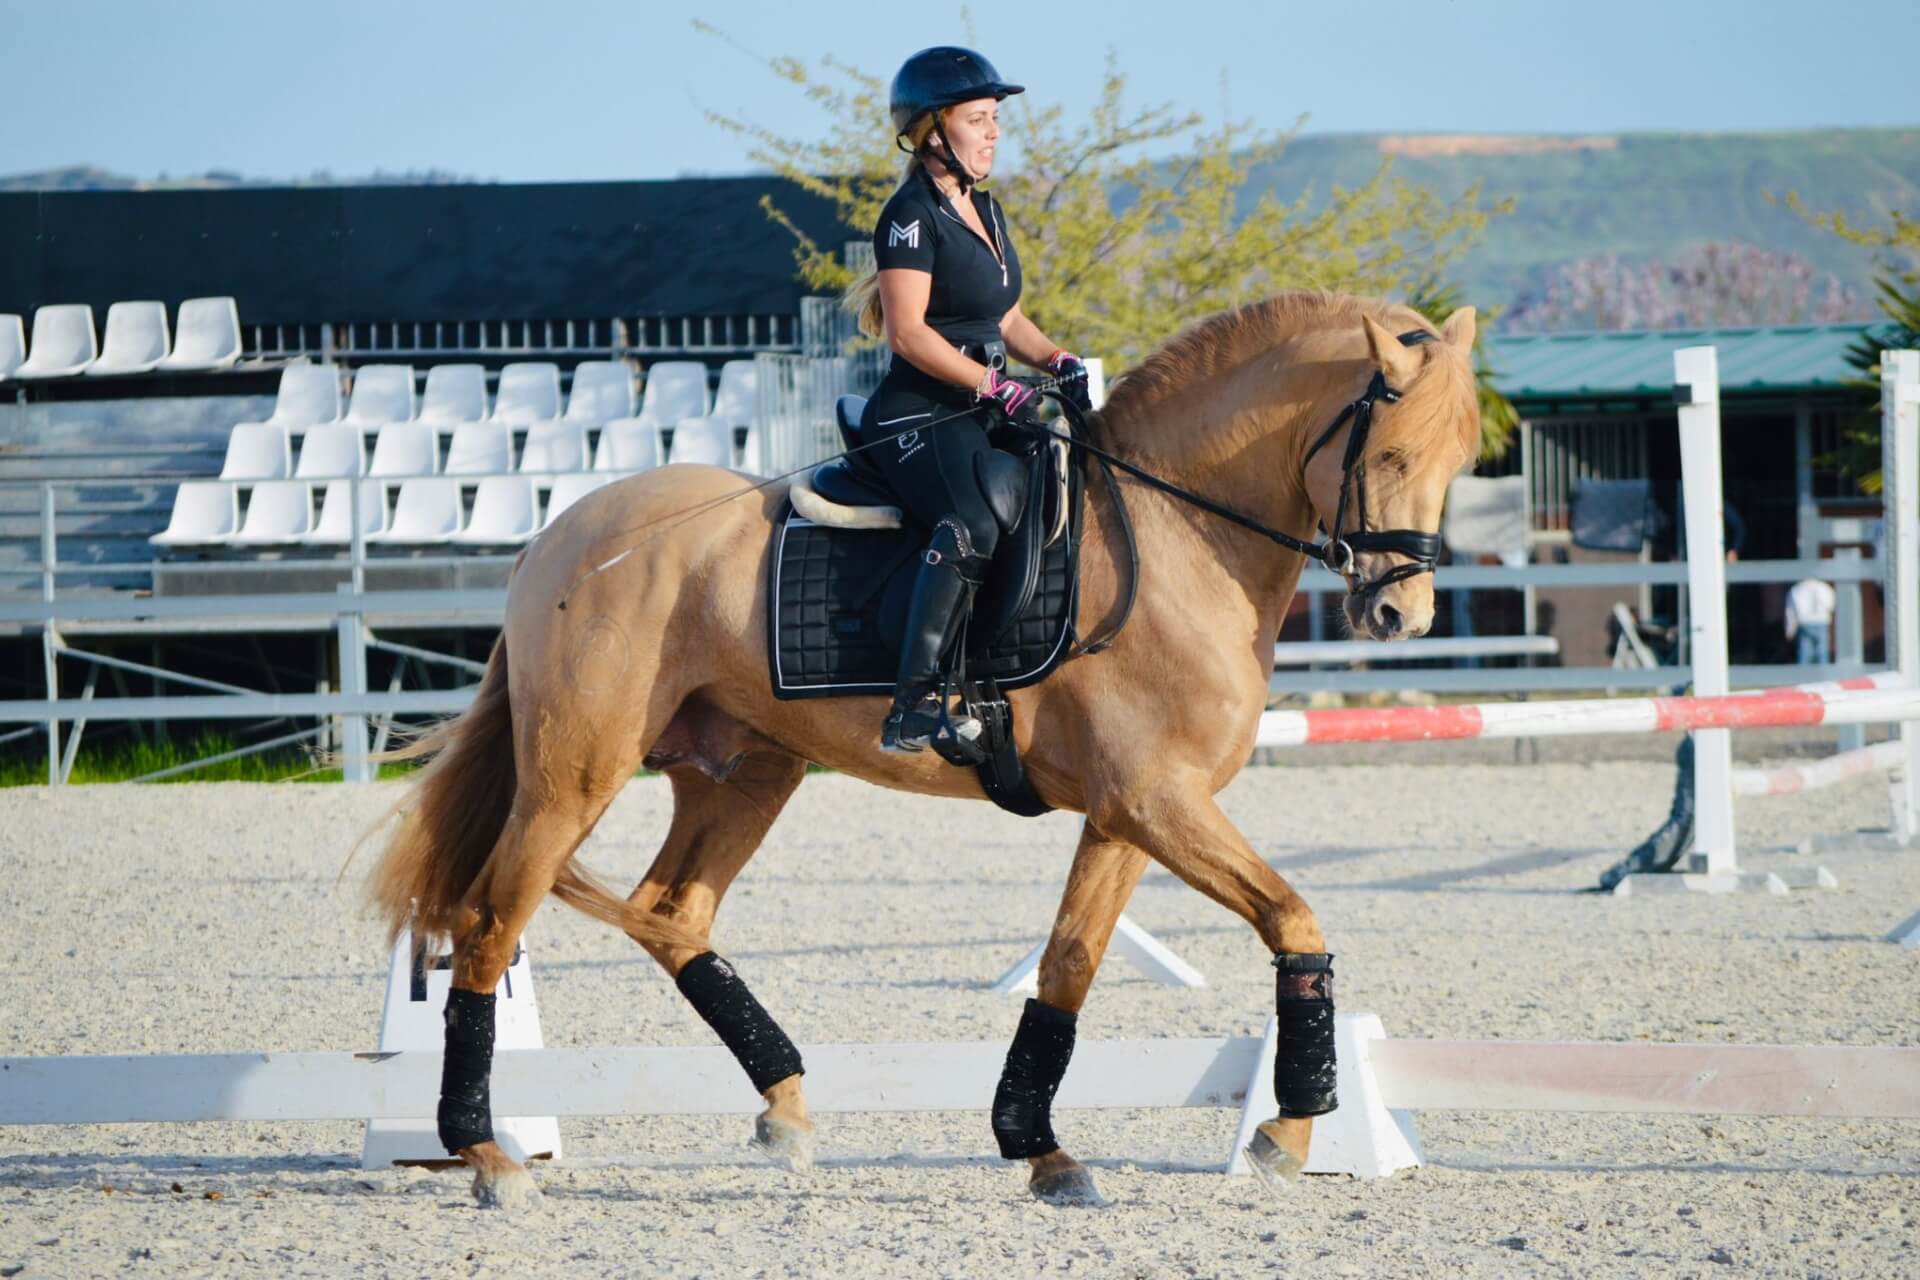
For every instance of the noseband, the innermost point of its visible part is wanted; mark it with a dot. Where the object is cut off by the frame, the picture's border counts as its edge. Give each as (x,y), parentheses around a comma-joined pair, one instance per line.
(1337,552)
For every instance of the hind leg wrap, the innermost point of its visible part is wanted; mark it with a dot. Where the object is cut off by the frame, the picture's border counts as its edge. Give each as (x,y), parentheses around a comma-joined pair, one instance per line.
(1036,1061)
(722,1000)
(1303,1062)
(466,1111)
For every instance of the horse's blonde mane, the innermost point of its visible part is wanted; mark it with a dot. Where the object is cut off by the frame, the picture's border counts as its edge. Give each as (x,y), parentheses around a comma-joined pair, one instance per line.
(1221,342)
(1213,347)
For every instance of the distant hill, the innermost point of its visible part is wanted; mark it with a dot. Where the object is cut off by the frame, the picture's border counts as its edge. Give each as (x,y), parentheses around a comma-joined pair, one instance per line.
(1639,195)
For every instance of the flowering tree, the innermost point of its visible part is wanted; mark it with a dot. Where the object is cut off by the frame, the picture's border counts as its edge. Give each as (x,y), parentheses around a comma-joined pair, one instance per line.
(1709,286)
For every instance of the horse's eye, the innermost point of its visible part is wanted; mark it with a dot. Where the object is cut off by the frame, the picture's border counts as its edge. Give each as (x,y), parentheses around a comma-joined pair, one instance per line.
(1393,459)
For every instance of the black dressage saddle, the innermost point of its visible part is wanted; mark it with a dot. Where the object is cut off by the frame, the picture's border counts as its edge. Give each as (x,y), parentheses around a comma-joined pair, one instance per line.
(840,586)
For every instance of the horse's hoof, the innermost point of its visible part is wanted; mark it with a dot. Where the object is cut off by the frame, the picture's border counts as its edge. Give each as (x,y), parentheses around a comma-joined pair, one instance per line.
(1276,1166)
(787,1145)
(513,1191)
(1068,1189)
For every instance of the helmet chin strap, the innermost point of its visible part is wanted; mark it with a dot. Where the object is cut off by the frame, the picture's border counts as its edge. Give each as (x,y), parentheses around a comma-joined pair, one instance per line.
(950,158)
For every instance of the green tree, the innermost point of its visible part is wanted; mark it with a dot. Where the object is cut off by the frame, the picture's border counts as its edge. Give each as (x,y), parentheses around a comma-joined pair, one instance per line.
(1896,248)
(1122,249)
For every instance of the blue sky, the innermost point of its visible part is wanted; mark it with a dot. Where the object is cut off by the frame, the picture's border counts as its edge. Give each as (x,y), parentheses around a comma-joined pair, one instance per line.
(598,89)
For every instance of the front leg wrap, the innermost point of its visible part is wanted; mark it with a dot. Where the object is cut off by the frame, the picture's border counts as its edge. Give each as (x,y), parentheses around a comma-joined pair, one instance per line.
(466,1111)
(723,1001)
(1303,1065)
(1037,1059)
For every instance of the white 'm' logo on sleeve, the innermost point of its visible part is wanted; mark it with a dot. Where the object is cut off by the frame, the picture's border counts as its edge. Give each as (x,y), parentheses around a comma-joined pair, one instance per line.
(908,235)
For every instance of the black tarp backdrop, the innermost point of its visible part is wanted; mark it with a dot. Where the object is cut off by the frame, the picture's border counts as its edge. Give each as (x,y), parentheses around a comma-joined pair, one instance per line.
(304,255)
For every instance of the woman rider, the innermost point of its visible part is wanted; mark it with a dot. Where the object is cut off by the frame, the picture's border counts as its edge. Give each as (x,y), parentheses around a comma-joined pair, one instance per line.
(946,295)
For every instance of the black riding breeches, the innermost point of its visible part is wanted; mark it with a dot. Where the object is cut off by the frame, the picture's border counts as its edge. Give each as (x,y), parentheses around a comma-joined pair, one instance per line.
(936,471)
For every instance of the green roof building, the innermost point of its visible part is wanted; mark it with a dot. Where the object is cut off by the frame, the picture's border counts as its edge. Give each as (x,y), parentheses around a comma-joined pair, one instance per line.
(1599,406)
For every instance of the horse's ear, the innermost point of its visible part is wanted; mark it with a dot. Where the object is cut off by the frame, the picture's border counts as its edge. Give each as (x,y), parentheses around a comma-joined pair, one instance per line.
(1457,332)
(1399,363)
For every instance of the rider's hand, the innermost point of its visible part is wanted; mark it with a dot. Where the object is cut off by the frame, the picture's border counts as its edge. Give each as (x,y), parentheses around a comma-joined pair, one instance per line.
(1012,398)
(1070,371)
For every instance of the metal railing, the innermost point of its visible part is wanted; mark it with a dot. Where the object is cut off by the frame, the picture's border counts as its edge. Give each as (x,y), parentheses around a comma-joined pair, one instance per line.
(599,336)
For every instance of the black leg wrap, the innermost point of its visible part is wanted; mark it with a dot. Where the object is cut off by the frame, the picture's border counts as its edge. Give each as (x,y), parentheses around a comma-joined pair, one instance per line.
(1303,1067)
(466,1113)
(718,996)
(1037,1059)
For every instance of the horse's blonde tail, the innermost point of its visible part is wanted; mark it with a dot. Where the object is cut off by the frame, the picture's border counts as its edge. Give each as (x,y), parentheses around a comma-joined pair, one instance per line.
(451,820)
(452,816)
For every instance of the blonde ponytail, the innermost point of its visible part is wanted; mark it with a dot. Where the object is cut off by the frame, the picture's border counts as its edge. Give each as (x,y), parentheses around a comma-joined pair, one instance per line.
(863,295)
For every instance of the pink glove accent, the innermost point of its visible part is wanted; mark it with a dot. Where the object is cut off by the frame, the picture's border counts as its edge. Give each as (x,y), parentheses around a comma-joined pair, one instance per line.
(1010,396)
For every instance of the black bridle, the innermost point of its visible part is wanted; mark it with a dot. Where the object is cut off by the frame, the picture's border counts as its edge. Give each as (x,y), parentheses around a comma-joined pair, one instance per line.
(1337,551)
(1421,549)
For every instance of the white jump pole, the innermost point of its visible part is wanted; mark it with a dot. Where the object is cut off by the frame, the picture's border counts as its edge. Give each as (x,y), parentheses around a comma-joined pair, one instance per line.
(1900,476)
(1696,376)
(1380,1079)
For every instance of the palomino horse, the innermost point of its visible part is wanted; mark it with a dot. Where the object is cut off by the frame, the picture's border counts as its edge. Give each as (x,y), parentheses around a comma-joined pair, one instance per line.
(661,659)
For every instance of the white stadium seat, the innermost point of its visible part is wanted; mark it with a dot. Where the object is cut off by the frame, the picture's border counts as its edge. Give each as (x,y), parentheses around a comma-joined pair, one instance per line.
(405,449)
(382,393)
(750,452)
(63,342)
(335,524)
(309,395)
(277,511)
(204,511)
(13,345)
(206,337)
(479,447)
(136,339)
(706,440)
(258,451)
(455,393)
(676,389)
(428,510)
(736,402)
(504,510)
(629,445)
(337,449)
(569,489)
(554,447)
(602,391)
(527,393)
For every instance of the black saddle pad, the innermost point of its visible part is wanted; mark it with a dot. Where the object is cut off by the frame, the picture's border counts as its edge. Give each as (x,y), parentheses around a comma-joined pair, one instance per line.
(837,603)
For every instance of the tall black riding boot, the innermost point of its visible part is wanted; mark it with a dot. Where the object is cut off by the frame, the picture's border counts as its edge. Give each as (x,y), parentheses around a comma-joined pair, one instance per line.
(942,594)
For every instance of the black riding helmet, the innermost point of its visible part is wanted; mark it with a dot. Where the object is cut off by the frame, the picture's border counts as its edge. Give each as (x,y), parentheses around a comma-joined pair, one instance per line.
(940,77)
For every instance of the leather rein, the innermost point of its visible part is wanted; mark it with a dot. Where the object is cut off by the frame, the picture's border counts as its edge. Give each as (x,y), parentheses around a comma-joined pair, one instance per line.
(1336,552)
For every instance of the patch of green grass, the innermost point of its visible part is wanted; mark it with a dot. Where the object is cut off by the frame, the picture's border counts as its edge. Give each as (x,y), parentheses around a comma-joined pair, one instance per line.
(124,761)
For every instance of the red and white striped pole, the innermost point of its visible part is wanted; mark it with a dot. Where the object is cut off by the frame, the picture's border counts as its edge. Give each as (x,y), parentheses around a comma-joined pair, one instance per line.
(1864,700)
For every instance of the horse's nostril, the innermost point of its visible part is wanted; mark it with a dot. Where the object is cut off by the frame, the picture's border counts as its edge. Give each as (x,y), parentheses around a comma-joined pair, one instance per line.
(1389,618)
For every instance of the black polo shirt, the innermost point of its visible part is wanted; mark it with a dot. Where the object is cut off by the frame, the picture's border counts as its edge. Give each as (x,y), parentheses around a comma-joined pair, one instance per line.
(972,289)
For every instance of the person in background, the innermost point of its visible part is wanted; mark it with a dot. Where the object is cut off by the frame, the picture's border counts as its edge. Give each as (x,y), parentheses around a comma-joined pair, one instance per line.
(1810,621)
